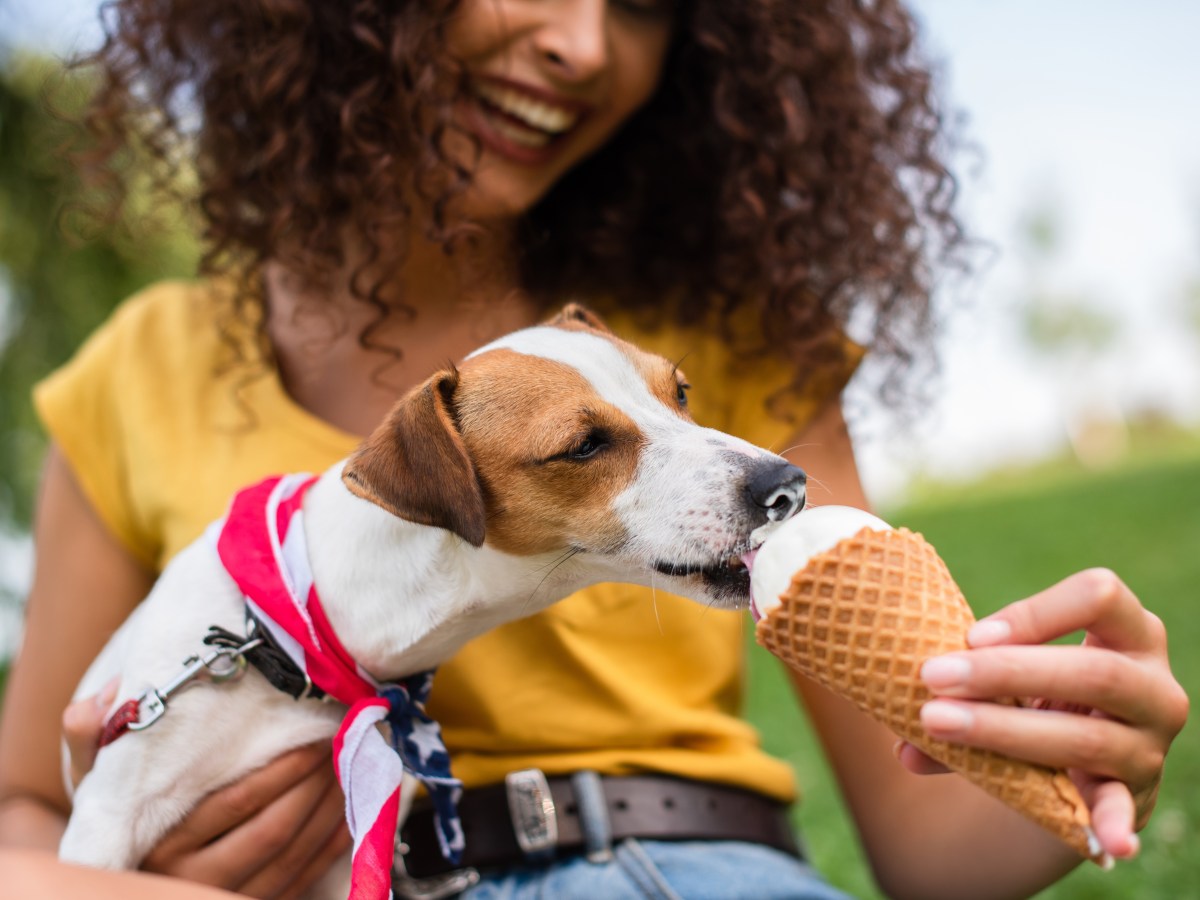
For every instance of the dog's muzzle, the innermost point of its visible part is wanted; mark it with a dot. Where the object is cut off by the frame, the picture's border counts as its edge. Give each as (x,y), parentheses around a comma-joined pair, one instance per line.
(771,490)
(777,488)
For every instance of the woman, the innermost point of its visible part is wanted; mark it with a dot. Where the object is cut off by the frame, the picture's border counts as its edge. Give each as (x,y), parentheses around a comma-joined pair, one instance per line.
(383,187)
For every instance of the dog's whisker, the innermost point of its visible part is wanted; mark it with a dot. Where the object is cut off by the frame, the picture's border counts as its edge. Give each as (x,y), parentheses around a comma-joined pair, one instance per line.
(793,447)
(817,482)
(654,606)
(557,561)
(551,567)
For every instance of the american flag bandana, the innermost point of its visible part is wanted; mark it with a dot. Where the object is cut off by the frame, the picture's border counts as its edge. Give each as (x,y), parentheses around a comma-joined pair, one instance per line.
(261,544)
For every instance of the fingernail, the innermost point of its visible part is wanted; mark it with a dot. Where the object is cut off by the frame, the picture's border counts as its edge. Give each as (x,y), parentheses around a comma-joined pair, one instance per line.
(945,718)
(945,671)
(896,748)
(989,631)
(108,693)
(1135,846)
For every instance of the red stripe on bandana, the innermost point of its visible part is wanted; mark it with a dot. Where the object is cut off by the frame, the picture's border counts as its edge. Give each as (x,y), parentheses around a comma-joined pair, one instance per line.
(262,546)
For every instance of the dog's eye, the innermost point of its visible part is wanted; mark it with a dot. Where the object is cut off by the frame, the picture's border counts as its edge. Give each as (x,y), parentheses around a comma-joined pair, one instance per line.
(584,448)
(681,394)
(588,447)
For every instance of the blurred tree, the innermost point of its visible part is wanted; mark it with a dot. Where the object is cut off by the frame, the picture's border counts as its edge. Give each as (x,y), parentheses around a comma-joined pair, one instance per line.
(1188,305)
(1188,313)
(57,281)
(1191,306)
(1054,321)
(1072,335)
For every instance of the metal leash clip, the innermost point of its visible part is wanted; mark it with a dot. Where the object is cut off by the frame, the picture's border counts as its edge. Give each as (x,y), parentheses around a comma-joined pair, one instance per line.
(433,887)
(221,665)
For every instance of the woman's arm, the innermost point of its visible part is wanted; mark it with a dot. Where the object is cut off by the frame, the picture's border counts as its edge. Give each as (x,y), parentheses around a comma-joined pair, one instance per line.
(935,837)
(270,834)
(85,584)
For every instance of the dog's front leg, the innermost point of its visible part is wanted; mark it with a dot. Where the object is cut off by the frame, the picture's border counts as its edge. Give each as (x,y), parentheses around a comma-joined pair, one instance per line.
(116,819)
(145,782)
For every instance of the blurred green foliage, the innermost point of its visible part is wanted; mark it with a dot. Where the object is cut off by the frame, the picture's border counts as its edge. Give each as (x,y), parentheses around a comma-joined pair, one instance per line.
(60,272)
(1055,322)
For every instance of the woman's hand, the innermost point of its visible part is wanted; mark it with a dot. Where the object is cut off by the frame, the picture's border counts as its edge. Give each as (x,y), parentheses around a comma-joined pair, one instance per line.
(271,834)
(1107,710)
(82,723)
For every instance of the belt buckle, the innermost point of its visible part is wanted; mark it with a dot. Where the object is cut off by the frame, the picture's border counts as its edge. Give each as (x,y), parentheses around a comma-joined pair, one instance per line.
(531,807)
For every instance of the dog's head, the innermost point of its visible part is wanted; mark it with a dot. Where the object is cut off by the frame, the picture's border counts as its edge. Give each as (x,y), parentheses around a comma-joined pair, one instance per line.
(563,440)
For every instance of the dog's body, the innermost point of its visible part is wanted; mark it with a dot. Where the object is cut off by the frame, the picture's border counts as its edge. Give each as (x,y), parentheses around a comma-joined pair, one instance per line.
(568,450)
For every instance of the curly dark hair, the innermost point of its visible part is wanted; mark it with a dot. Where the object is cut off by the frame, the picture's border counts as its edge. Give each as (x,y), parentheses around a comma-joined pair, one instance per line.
(790,166)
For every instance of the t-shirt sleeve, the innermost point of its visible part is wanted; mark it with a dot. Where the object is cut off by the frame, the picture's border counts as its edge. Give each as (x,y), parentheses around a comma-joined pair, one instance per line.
(82,406)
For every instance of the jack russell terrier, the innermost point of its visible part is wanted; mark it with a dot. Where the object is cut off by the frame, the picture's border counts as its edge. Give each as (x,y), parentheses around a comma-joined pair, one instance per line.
(551,459)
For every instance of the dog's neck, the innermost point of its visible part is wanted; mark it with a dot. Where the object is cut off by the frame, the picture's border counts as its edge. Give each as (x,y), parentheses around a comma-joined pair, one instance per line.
(404,597)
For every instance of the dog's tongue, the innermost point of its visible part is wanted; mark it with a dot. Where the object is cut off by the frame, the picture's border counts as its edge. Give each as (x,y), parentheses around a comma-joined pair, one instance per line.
(790,546)
(747,559)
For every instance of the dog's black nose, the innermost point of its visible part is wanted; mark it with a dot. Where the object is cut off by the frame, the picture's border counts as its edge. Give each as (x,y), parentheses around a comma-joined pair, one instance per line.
(777,487)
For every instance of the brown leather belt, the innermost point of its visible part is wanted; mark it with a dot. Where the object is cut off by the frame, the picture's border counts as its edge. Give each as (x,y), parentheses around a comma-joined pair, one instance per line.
(642,806)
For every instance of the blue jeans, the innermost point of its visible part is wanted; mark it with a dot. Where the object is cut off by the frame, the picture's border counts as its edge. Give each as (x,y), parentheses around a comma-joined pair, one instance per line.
(663,870)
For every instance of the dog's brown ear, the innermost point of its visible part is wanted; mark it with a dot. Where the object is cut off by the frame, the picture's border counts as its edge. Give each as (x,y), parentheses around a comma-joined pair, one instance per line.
(416,466)
(578,314)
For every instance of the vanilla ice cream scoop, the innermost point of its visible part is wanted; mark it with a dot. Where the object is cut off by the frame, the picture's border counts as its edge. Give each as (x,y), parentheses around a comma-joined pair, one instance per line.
(789,547)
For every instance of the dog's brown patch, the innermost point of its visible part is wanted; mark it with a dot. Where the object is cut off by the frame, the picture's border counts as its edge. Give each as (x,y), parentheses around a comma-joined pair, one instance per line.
(416,466)
(520,431)
(577,317)
(663,379)
(494,449)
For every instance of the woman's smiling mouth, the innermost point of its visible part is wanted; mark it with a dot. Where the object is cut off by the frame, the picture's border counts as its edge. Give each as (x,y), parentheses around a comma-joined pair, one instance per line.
(519,122)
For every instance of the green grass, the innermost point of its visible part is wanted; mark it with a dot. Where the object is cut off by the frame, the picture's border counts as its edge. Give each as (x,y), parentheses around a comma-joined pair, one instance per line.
(1006,542)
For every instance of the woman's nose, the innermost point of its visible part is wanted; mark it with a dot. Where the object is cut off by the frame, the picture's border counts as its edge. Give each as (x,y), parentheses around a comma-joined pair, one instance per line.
(572,37)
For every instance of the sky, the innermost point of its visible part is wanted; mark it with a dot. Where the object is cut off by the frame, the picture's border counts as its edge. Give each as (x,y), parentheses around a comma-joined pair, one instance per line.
(1088,109)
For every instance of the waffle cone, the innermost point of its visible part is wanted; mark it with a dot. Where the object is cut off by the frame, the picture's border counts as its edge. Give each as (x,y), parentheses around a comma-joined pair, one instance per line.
(862,617)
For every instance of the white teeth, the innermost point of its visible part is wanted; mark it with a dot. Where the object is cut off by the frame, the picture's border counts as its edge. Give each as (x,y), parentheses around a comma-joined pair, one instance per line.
(518,135)
(535,113)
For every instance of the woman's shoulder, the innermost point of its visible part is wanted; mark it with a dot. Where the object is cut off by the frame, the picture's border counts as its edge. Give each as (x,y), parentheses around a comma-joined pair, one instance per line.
(177,310)
(161,344)
(166,331)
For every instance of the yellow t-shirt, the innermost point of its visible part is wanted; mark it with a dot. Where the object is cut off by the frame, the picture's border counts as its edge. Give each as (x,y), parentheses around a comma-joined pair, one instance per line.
(616,678)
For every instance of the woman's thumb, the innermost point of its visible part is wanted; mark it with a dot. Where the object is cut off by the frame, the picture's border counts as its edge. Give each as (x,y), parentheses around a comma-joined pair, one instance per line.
(82,724)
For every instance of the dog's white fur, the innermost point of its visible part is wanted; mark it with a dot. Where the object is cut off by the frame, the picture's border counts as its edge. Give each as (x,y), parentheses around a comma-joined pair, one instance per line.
(664,502)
